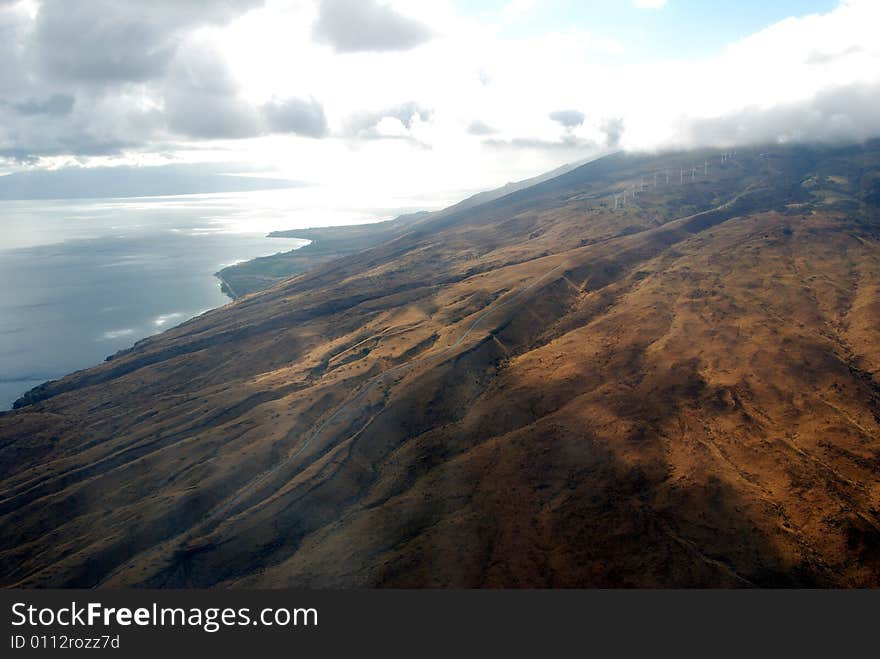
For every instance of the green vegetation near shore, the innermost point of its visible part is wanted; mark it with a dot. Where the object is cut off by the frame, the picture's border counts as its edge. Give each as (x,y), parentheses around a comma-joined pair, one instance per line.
(327,244)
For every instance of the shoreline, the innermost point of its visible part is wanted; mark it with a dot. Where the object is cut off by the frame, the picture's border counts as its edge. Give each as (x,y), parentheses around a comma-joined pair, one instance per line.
(226,287)
(320,245)
(229,291)
(28,396)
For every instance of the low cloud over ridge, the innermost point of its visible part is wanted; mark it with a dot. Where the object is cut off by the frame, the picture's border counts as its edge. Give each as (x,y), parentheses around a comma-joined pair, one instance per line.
(844,114)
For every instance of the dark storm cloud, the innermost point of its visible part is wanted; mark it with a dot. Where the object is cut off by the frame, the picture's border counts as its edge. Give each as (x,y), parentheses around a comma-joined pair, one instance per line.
(364,124)
(613,129)
(568,118)
(478,127)
(108,41)
(294,115)
(351,26)
(845,114)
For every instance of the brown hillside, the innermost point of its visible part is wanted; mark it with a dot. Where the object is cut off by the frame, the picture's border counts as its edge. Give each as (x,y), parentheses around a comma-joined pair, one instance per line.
(541,390)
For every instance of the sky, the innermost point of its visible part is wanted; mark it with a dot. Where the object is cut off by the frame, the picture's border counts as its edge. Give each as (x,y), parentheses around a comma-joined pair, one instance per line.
(383,98)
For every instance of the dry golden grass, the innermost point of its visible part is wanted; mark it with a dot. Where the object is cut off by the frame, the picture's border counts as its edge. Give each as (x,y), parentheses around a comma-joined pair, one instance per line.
(540,391)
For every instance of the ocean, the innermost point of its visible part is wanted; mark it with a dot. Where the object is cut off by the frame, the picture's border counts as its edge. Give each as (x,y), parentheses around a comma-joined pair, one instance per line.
(82,279)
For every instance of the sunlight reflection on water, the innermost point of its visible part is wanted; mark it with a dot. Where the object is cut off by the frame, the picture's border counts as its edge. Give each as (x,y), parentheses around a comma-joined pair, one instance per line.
(86,278)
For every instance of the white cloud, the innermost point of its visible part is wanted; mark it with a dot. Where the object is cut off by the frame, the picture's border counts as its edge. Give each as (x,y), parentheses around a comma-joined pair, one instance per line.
(164,319)
(117,334)
(351,26)
(468,108)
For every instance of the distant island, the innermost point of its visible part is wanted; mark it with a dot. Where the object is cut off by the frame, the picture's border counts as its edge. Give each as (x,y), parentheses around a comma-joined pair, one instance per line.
(129,181)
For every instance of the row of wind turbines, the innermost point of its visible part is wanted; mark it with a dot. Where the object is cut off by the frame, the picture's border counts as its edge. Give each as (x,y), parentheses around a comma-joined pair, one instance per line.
(685,175)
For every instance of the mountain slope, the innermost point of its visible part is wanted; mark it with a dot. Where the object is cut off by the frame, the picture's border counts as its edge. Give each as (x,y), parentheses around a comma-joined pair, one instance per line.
(330,243)
(541,390)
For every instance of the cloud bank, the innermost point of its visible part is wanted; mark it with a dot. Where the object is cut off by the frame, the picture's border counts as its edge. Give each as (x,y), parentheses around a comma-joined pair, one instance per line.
(89,78)
(375,93)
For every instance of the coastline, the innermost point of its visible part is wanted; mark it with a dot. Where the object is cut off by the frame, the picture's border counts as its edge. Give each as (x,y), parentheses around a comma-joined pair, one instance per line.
(91,349)
(226,287)
(320,245)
